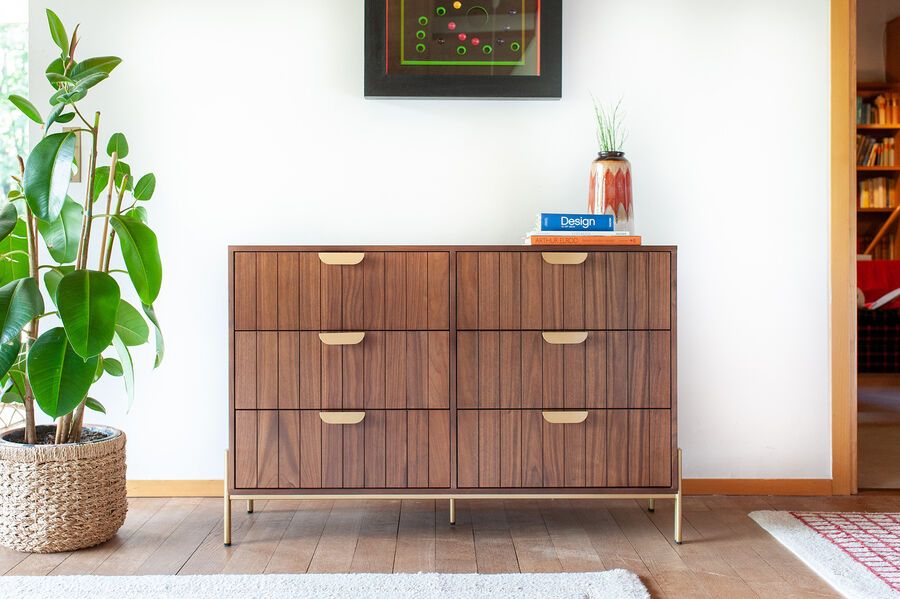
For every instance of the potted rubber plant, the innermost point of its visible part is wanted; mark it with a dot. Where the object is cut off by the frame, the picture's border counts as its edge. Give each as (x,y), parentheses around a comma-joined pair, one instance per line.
(64,265)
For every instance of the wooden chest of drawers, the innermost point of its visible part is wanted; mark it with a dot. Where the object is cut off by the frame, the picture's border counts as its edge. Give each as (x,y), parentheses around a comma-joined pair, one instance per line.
(452,372)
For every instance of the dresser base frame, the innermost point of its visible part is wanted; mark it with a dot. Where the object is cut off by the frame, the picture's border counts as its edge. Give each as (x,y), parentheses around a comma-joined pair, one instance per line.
(452,497)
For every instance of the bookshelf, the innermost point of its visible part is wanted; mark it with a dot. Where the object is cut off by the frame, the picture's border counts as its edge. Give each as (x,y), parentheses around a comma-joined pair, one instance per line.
(878,185)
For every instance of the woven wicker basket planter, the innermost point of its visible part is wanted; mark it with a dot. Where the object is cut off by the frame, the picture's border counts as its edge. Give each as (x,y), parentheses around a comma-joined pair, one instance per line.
(61,497)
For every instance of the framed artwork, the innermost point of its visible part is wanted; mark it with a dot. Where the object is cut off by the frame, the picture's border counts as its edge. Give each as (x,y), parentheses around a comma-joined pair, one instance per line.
(464,48)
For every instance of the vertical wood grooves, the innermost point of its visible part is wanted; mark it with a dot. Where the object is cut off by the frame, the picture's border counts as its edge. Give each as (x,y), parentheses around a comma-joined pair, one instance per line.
(490,305)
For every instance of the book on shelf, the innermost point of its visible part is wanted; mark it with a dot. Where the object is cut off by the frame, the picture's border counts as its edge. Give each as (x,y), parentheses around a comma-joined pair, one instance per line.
(581,233)
(882,109)
(872,151)
(566,239)
(552,221)
(877,192)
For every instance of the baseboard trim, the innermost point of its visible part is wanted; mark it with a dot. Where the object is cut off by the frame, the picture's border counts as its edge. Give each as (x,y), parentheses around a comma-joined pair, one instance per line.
(803,487)
(175,488)
(692,486)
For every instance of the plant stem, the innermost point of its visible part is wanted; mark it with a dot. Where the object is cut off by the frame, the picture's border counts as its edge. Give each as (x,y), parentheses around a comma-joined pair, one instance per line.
(112,234)
(28,398)
(77,419)
(62,428)
(109,196)
(84,241)
(83,120)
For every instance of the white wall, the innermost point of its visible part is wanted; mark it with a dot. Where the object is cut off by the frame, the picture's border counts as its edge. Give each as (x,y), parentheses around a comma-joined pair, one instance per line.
(252,116)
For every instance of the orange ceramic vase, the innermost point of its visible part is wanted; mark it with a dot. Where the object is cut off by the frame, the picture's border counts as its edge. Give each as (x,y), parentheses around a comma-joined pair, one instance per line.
(610,190)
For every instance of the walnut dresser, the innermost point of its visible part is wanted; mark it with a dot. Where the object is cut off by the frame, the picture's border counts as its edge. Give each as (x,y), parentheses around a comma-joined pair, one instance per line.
(461,372)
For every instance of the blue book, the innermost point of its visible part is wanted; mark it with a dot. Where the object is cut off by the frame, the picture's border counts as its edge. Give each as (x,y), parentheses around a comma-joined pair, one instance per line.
(577,222)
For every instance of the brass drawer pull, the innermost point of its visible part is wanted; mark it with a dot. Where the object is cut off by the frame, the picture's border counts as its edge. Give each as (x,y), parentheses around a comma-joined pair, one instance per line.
(341,338)
(564,257)
(341,258)
(343,417)
(565,337)
(565,417)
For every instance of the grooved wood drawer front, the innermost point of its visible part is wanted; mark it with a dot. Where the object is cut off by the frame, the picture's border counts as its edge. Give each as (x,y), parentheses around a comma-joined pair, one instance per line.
(295,449)
(386,370)
(298,291)
(519,369)
(521,449)
(520,290)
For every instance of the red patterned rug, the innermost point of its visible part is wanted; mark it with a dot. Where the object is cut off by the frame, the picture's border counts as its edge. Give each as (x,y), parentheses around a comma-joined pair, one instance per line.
(857,553)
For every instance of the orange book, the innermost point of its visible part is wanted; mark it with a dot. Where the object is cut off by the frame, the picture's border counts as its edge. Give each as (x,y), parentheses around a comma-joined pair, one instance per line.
(585,240)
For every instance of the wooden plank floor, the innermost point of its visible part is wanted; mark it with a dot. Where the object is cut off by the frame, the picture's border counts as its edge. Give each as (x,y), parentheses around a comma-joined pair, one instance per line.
(724,554)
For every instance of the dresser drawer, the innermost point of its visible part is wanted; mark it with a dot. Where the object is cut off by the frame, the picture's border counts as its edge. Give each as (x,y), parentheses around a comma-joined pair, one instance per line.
(537,290)
(328,291)
(533,449)
(383,370)
(373,449)
(523,370)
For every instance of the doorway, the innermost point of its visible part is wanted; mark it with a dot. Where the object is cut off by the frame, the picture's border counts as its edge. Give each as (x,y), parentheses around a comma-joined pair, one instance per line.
(876,174)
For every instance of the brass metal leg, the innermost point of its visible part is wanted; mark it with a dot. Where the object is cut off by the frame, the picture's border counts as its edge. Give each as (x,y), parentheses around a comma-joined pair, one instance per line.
(249,506)
(651,505)
(227,501)
(452,511)
(678,504)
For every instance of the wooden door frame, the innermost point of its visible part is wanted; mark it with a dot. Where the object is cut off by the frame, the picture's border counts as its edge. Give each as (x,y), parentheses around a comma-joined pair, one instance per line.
(843,247)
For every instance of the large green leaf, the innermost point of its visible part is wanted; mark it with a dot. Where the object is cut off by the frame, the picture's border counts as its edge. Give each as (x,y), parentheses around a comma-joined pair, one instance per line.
(141,252)
(91,66)
(9,217)
(11,397)
(55,70)
(54,116)
(118,144)
(87,302)
(9,354)
(20,301)
(58,32)
(14,255)
(57,78)
(59,377)
(101,181)
(15,378)
(101,178)
(63,234)
(112,367)
(68,96)
(52,278)
(130,325)
(88,81)
(47,174)
(127,368)
(145,187)
(139,213)
(27,108)
(160,342)
(92,404)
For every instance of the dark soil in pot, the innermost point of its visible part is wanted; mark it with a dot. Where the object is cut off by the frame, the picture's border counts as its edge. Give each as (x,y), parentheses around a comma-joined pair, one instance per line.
(47,432)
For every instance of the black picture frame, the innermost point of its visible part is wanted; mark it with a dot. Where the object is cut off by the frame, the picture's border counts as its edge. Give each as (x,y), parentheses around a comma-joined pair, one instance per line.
(547,85)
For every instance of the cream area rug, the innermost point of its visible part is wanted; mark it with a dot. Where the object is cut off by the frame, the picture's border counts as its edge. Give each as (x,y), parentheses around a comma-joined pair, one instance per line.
(612,584)
(856,553)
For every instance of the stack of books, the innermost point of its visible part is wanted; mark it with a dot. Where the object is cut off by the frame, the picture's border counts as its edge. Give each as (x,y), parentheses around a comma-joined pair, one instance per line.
(877,193)
(578,229)
(871,151)
(883,109)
